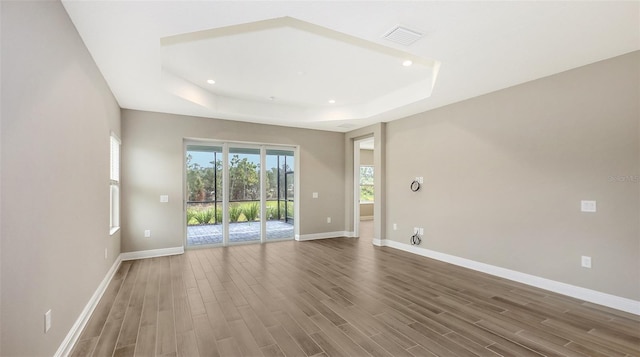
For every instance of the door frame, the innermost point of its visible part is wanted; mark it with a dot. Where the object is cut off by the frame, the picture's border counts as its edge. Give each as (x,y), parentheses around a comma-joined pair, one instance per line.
(356,183)
(226,145)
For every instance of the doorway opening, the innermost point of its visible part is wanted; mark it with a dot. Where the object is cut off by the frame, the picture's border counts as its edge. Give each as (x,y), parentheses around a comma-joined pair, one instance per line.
(364,193)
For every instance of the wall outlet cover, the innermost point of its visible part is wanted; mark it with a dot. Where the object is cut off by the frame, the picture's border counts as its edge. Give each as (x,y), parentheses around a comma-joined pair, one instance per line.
(588,206)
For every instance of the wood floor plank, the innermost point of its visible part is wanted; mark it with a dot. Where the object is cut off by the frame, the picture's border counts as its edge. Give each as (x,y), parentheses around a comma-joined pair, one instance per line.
(327,345)
(258,330)
(339,297)
(246,343)
(303,340)
(228,348)
(288,346)
(187,344)
(204,334)
(272,351)
(131,324)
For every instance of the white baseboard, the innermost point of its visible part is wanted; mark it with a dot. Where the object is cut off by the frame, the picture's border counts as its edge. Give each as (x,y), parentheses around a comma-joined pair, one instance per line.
(324,235)
(596,297)
(72,337)
(143,254)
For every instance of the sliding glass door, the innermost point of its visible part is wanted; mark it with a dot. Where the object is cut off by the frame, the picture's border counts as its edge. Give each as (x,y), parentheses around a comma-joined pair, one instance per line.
(244,195)
(204,195)
(239,194)
(280,194)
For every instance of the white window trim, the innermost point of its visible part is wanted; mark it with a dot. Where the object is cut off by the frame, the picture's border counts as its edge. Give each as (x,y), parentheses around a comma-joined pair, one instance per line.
(114,183)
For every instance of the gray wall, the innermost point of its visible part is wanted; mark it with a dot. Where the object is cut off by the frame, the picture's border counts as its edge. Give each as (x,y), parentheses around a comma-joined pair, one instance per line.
(153,164)
(505,173)
(57,114)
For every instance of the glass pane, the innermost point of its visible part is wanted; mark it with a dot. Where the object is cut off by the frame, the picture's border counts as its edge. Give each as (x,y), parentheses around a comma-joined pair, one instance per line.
(244,195)
(366,175)
(204,195)
(366,193)
(279,190)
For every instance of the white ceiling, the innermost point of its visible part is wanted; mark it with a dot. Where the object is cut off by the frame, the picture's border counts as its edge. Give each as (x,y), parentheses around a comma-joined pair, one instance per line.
(157,55)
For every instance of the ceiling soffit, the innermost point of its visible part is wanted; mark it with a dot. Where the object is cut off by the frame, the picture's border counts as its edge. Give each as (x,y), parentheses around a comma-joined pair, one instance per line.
(292,70)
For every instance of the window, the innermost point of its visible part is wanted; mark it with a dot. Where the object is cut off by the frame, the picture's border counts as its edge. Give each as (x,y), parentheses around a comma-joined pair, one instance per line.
(114,185)
(366,184)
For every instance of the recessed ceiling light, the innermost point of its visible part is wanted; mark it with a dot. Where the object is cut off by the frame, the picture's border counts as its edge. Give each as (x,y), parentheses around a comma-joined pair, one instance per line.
(332,101)
(211,81)
(407,63)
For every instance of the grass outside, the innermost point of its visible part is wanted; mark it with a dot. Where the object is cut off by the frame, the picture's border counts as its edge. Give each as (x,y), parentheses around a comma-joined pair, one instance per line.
(204,213)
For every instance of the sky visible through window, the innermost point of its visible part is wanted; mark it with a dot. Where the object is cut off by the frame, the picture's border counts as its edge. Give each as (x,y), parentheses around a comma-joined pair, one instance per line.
(204,159)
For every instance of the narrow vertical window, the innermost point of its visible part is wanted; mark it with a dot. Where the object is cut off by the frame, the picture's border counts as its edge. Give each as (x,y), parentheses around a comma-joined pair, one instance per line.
(366,184)
(114,185)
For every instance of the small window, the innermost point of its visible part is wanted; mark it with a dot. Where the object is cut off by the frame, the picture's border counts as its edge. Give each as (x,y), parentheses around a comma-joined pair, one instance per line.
(366,184)
(114,185)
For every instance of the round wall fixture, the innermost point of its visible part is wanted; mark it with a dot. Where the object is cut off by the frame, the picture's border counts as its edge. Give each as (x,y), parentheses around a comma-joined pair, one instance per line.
(415,186)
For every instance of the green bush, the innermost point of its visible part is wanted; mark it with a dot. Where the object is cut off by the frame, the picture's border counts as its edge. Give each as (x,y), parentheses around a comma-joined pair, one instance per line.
(272,212)
(218,216)
(191,213)
(289,206)
(234,213)
(204,216)
(251,212)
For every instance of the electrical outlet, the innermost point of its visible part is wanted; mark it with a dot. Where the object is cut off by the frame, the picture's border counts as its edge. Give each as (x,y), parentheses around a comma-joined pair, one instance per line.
(421,231)
(586,261)
(147,233)
(164,198)
(588,206)
(395,227)
(328,219)
(314,195)
(416,230)
(47,321)
(106,252)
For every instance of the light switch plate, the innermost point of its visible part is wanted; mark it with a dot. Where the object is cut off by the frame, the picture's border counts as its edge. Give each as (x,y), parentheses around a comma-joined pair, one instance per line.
(587,206)
(164,198)
(315,195)
(586,261)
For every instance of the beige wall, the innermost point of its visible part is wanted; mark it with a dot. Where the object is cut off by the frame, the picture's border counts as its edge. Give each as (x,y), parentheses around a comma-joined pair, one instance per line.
(366,157)
(153,164)
(505,172)
(57,114)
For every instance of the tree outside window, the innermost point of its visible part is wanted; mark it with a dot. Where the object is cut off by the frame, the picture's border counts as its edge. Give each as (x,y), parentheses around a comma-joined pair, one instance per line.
(366,184)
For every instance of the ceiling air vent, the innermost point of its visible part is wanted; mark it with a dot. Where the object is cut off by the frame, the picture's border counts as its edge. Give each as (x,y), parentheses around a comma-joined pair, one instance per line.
(402,35)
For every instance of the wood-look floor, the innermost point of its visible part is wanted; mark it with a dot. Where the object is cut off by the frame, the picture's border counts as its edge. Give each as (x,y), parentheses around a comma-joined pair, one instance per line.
(339,297)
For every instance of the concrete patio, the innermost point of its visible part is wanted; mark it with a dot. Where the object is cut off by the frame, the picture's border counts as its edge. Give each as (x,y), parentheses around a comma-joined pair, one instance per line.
(238,232)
